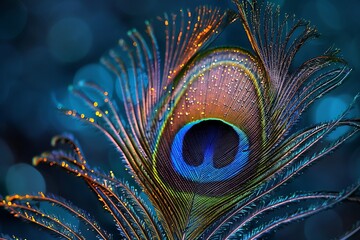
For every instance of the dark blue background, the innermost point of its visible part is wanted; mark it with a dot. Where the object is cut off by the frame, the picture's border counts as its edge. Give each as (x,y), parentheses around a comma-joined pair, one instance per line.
(43,43)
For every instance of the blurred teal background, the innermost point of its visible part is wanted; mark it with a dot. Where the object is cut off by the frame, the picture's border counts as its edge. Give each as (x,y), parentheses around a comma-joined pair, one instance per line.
(46,45)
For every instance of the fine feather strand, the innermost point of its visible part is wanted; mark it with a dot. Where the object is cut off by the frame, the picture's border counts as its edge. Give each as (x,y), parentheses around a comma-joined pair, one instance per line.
(277,42)
(29,207)
(129,211)
(7,237)
(240,225)
(355,229)
(164,97)
(293,165)
(300,214)
(144,116)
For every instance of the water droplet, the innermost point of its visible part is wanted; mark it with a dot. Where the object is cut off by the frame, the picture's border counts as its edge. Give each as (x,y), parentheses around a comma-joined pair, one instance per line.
(98,74)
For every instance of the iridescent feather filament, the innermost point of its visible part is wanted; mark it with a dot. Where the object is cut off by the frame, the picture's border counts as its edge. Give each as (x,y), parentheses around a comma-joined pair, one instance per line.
(191,113)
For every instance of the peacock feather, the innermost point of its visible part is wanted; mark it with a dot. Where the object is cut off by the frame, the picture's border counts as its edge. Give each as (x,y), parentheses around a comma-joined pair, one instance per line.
(207,133)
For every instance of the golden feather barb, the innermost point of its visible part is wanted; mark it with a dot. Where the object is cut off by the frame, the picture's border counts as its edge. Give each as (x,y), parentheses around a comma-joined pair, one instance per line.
(207,133)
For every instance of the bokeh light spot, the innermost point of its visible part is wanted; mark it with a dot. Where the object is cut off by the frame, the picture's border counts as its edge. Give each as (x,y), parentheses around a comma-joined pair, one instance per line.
(69,39)
(22,178)
(329,108)
(7,158)
(13,17)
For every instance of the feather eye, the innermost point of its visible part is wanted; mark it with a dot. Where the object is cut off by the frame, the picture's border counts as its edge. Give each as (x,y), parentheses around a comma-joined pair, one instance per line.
(218,130)
(149,117)
(206,133)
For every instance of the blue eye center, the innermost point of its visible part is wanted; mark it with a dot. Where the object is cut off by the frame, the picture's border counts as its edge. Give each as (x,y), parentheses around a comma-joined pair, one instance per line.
(209,150)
